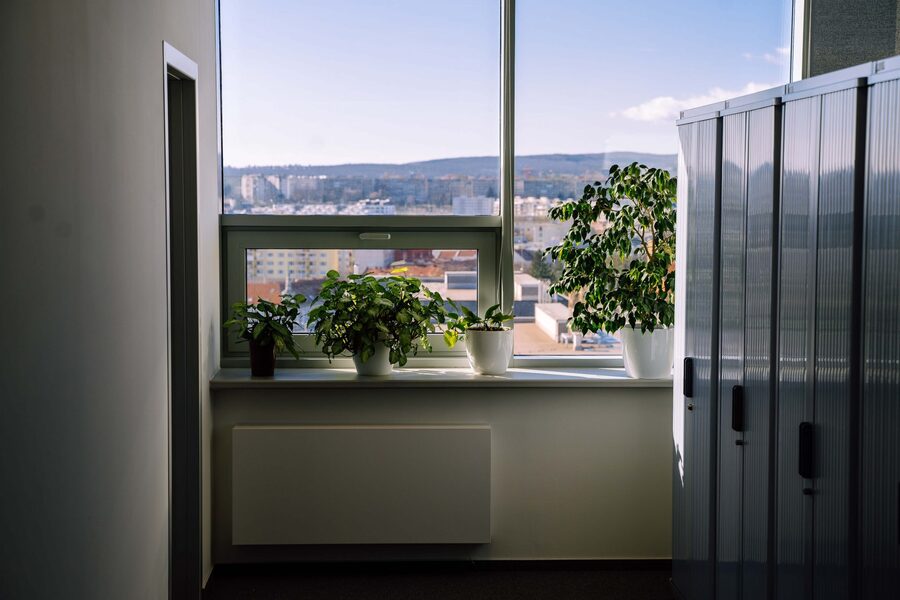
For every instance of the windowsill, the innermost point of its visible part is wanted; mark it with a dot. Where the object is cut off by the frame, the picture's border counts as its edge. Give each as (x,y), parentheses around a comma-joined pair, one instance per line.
(434,378)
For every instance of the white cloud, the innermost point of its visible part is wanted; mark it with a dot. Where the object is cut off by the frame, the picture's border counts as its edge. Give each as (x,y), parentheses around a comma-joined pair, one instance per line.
(779,56)
(667,108)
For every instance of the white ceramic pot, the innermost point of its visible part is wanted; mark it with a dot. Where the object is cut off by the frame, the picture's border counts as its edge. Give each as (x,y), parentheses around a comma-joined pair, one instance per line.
(489,352)
(378,365)
(648,355)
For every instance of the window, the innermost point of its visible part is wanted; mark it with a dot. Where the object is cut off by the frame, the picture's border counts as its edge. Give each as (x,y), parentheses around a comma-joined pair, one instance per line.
(359,135)
(356,107)
(459,265)
(601,82)
(451,273)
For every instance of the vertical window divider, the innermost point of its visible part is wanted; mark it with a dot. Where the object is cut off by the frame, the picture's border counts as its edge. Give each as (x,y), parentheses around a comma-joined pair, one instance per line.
(507,153)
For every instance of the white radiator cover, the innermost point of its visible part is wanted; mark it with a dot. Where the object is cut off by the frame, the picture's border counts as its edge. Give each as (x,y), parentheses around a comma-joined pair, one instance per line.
(361,484)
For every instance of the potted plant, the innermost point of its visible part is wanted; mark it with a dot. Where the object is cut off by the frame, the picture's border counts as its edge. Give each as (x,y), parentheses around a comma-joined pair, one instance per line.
(618,261)
(268,328)
(489,343)
(380,321)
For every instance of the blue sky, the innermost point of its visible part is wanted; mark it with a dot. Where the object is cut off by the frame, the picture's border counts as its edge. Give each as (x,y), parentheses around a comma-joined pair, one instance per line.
(337,81)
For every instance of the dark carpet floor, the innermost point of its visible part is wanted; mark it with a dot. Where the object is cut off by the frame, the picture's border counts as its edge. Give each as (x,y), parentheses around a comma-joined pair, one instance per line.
(466,582)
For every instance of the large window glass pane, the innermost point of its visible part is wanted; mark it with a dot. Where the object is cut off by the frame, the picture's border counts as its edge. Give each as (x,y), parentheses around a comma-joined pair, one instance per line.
(272,272)
(601,82)
(354,107)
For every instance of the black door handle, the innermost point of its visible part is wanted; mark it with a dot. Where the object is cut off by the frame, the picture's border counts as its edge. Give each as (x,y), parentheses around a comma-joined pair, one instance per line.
(807,449)
(737,408)
(688,378)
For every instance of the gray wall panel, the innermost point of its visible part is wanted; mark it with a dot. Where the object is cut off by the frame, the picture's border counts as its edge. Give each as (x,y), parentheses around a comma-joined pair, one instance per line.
(731,352)
(843,33)
(795,342)
(763,127)
(834,351)
(880,410)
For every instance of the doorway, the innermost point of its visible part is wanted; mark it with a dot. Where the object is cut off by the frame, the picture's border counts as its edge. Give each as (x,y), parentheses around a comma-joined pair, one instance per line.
(185,566)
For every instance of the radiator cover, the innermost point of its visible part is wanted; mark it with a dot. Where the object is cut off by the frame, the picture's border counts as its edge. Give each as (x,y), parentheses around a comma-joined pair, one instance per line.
(361,484)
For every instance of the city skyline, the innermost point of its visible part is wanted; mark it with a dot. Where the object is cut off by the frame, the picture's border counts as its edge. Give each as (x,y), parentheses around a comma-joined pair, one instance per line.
(405,81)
(522,162)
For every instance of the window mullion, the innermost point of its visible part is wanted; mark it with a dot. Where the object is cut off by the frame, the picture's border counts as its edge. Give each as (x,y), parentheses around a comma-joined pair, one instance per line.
(507,153)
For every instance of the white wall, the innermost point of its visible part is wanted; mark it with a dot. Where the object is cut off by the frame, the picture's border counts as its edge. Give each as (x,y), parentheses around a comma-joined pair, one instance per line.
(576,473)
(83,388)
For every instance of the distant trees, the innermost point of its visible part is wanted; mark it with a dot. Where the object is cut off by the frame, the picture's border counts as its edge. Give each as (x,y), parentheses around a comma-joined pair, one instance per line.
(544,268)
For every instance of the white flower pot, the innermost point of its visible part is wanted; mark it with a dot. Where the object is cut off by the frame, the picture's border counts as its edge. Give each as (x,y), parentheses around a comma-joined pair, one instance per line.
(648,355)
(489,352)
(378,365)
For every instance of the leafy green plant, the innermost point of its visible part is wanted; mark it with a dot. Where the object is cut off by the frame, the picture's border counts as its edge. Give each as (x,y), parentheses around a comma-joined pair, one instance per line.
(618,255)
(267,323)
(458,324)
(355,313)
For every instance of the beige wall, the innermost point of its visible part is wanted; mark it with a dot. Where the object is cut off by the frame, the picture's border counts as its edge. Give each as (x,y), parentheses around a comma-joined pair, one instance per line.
(576,473)
(83,382)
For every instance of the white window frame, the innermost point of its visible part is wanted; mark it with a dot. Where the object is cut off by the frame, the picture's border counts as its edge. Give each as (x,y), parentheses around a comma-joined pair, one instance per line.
(492,235)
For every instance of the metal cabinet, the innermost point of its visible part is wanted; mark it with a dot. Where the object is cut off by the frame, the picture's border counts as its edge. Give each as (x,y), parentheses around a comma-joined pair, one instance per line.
(694,426)
(879,522)
(786,427)
(750,163)
(819,285)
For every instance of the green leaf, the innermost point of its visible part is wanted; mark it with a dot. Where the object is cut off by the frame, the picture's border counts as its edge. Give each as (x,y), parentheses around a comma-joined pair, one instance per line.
(451,337)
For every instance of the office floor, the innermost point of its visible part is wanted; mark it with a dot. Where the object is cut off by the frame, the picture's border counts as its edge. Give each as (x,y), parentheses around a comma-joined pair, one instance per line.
(441,582)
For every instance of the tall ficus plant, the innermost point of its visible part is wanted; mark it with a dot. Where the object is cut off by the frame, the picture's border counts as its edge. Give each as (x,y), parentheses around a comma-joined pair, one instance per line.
(618,255)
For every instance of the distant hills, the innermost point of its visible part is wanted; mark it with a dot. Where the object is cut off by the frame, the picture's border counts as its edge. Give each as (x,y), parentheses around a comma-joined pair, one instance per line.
(473,166)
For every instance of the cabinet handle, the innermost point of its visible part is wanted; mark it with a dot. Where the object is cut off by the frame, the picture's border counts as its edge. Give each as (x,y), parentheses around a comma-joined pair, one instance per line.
(807,449)
(737,408)
(688,378)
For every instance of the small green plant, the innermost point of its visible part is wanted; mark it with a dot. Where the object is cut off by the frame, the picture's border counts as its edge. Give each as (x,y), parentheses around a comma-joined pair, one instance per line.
(458,324)
(355,313)
(267,323)
(618,255)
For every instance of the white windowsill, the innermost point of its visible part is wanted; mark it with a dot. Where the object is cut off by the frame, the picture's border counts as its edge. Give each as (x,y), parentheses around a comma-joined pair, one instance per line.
(433,378)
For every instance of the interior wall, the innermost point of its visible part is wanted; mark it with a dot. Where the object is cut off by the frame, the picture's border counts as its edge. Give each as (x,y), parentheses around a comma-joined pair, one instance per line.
(576,473)
(844,33)
(84,423)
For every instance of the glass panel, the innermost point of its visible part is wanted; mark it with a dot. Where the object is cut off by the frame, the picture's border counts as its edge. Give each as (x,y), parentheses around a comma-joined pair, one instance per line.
(361,108)
(601,82)
(272,272)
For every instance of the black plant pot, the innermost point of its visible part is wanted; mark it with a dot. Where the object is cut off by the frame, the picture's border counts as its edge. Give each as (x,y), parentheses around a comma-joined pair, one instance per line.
(262,359)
